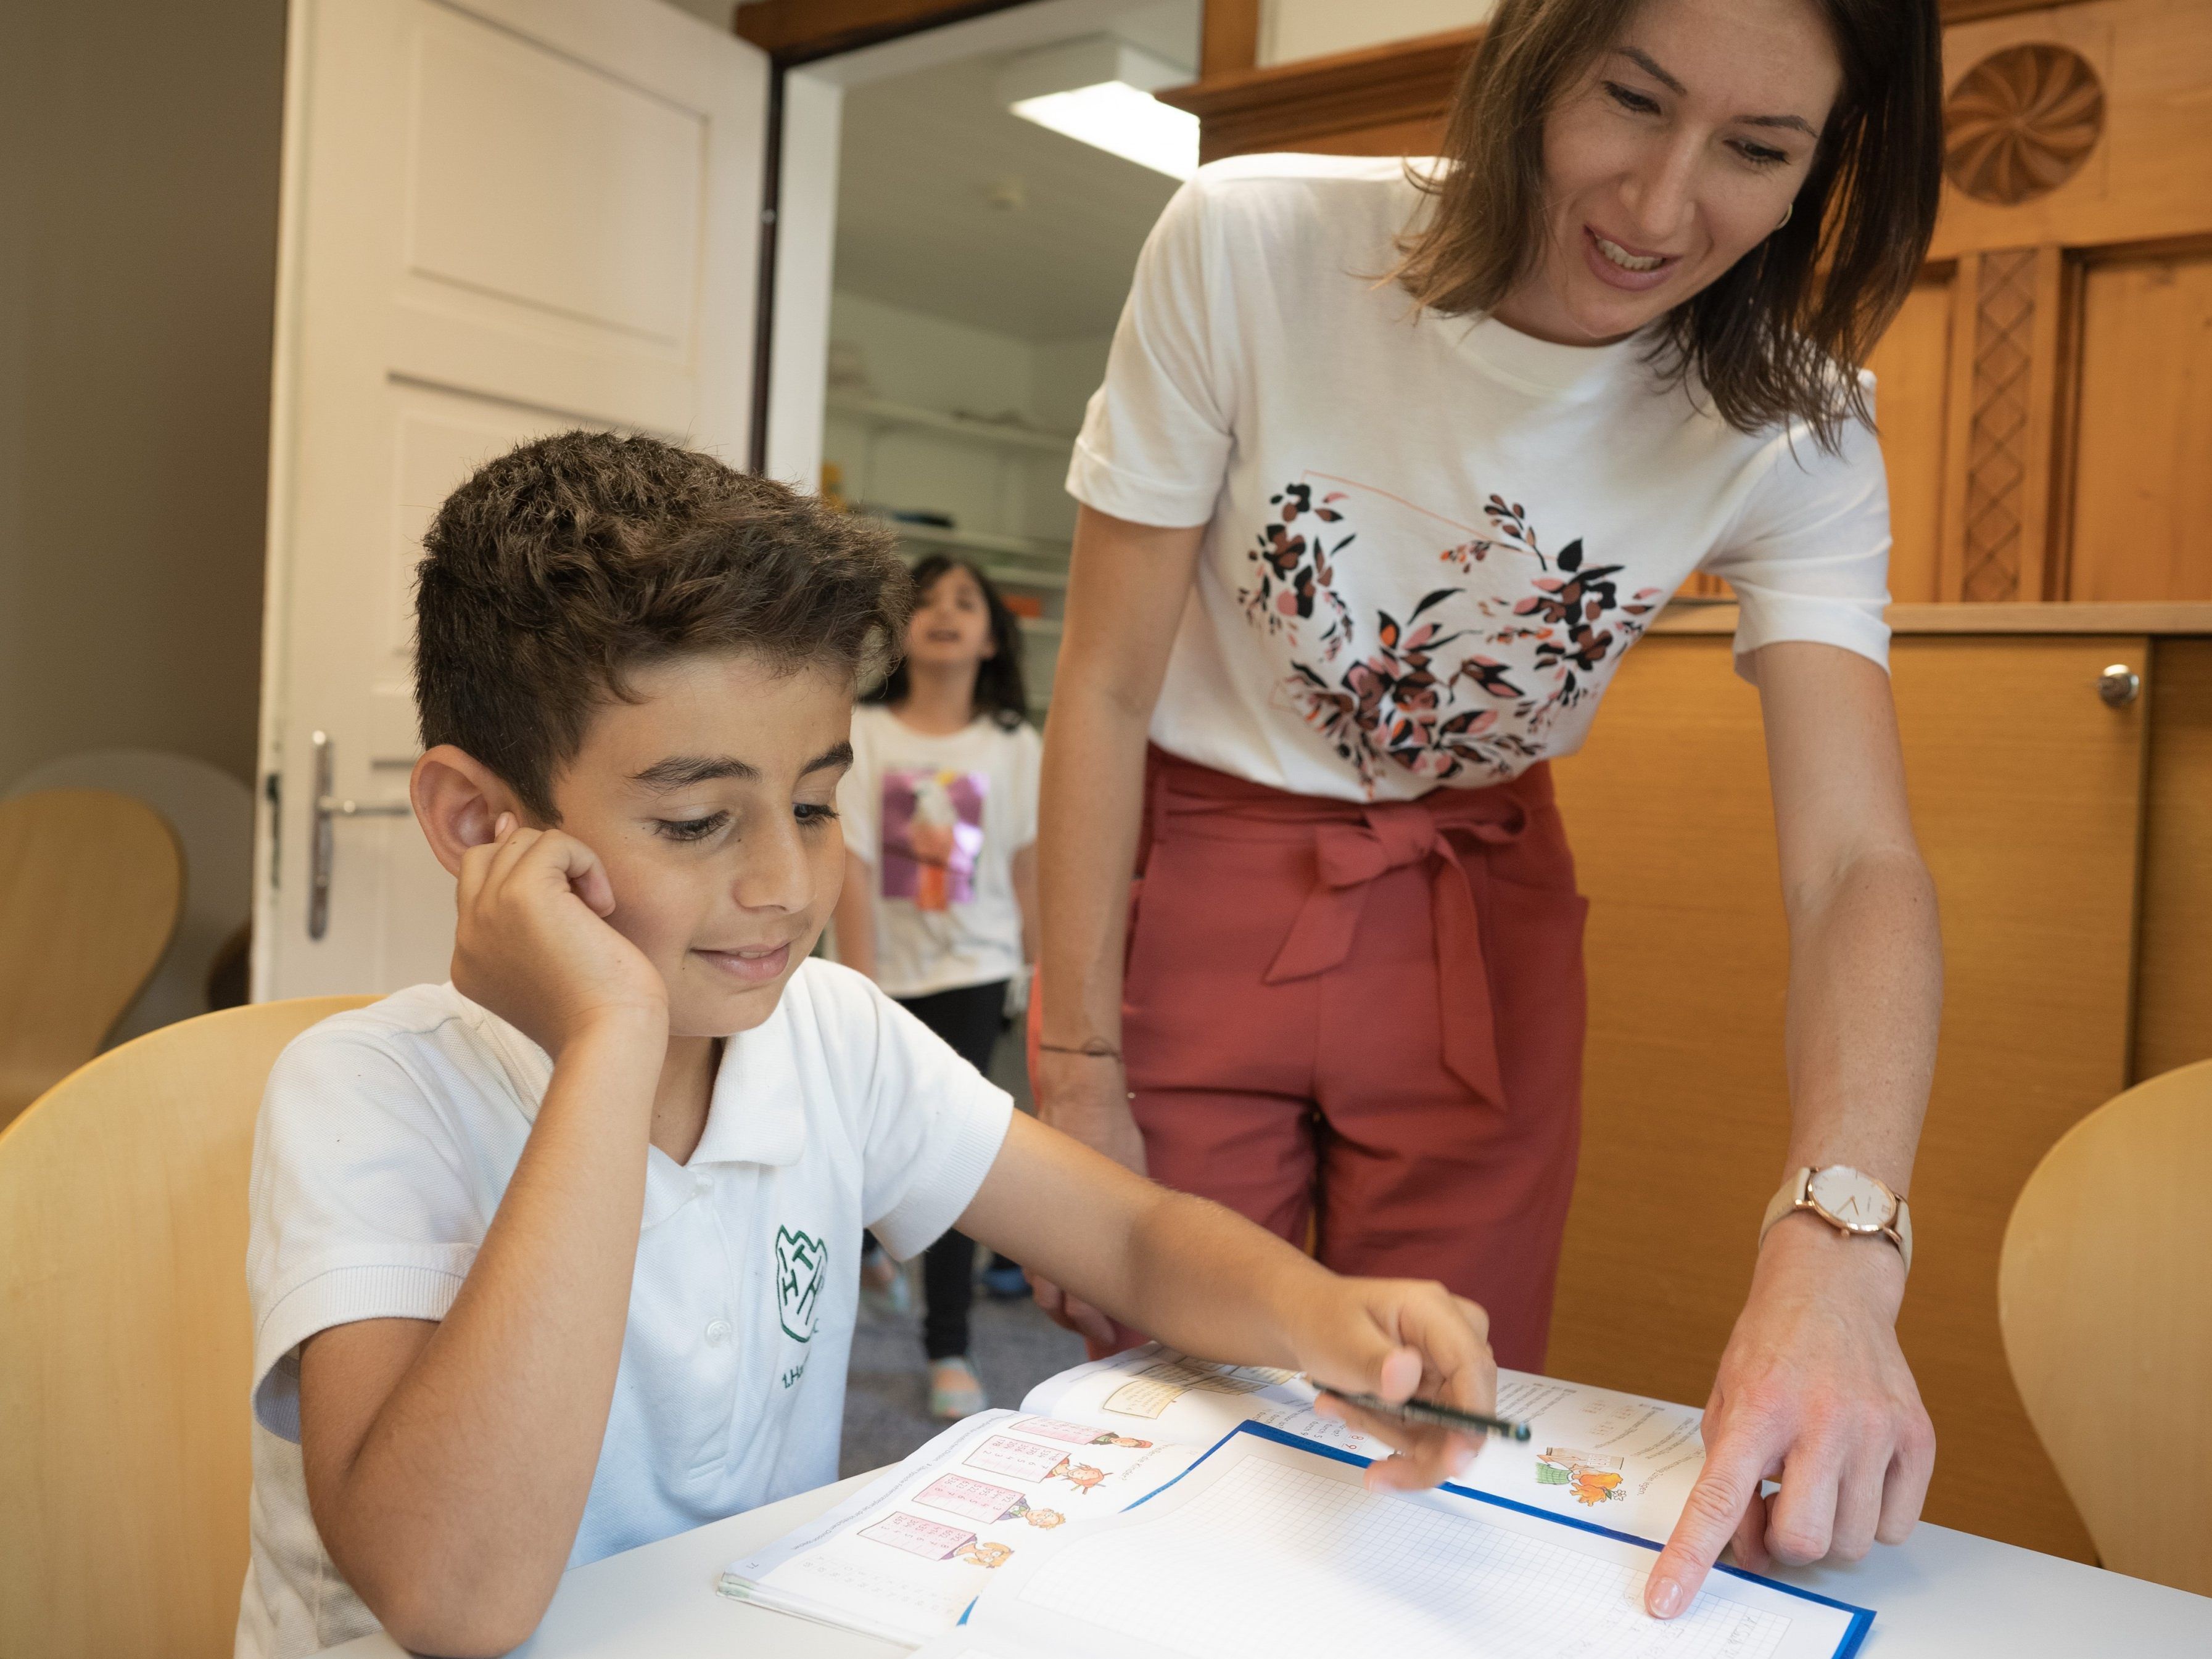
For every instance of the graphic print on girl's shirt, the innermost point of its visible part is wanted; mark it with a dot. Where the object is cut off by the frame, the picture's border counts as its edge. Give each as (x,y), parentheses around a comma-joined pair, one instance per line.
(1466,679)
(933,832)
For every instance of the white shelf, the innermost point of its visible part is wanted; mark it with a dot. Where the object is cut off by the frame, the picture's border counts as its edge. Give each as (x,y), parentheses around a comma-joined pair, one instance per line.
(994,550)
(979,541)
(875,411)
(1013,575)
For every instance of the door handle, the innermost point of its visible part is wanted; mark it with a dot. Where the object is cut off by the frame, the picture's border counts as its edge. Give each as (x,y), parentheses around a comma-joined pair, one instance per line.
(327,807)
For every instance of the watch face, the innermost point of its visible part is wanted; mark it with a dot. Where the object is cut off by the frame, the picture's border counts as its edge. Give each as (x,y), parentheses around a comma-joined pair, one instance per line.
(1849,1199)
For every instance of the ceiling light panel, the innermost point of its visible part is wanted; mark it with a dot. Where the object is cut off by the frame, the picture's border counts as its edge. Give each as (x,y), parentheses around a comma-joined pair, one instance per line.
(1098,91)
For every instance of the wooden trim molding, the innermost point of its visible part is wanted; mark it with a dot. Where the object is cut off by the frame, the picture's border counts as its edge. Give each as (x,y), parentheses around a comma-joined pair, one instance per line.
(1963,11)
(799,30)
(1292,105)
(1229,37)
(2165,618)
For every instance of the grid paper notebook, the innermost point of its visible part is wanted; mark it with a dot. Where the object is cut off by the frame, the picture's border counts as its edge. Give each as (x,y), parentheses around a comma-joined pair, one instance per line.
(1271,1548)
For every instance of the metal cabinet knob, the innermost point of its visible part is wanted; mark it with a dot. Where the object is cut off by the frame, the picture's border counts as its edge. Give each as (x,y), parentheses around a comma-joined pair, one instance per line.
(2119,685)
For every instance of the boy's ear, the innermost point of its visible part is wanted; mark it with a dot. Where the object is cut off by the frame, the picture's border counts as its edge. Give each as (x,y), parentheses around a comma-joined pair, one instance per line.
(456,799)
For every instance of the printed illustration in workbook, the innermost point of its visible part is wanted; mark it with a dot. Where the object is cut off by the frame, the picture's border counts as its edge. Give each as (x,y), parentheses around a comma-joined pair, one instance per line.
(1618,1459)
(904,1558)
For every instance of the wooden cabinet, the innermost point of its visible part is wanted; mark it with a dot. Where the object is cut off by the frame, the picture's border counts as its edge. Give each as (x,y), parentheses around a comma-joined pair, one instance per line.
(2071,845)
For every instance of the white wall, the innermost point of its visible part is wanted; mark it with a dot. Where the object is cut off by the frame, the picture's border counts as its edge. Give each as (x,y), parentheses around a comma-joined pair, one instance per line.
(137,265)
(720,13)
(1290,29)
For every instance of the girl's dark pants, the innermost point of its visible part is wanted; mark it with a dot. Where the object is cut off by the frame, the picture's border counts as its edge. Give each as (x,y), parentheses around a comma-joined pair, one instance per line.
(967,1018)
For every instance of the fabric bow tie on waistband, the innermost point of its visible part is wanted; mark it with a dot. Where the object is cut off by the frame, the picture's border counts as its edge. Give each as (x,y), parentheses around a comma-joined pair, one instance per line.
(1390,836)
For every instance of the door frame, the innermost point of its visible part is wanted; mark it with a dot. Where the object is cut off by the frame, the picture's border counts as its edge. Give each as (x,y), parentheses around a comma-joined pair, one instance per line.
(807,83)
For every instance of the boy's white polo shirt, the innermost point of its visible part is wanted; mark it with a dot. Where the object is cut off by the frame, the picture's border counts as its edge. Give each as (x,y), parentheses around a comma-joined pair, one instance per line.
(386,1137)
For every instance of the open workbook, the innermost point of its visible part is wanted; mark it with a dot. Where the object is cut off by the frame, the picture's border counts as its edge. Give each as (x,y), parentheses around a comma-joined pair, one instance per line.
(1153,1504)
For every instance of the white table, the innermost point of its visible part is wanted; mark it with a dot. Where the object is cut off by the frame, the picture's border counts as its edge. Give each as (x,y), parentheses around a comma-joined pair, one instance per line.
(1941,1595)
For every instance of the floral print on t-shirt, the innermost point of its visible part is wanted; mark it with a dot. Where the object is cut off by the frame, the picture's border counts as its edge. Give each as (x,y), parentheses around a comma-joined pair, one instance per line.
(1460,683)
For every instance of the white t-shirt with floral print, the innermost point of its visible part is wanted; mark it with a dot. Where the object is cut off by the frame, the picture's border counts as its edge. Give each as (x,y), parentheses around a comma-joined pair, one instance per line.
(1429,539)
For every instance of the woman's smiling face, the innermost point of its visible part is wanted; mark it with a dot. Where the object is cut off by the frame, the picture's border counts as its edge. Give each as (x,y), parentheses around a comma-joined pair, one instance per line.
(1675,153)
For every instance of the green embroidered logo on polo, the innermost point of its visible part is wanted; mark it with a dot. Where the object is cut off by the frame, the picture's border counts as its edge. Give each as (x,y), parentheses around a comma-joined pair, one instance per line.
(800,1261)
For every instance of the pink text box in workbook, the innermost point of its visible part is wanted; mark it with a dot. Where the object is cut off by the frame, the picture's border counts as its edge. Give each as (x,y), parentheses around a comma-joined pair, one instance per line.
(979,1500)
(1023,1460)
(932,1539)
(1051,1428)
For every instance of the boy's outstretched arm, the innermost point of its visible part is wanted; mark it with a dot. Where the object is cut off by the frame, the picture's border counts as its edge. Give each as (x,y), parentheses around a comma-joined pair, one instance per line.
(448,1464)
(1206,1280)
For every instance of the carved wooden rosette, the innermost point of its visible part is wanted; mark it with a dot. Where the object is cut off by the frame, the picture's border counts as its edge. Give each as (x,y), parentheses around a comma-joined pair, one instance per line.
(2021,122)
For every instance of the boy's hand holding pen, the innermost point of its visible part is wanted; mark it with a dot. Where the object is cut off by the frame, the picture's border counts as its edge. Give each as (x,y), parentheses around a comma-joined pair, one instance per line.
(1413,1370)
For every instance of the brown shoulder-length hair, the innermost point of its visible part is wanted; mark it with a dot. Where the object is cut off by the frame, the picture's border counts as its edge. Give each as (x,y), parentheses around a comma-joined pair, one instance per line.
(1768,336)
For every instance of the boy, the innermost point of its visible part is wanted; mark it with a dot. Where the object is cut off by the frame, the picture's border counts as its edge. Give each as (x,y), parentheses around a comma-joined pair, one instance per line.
(554,1260)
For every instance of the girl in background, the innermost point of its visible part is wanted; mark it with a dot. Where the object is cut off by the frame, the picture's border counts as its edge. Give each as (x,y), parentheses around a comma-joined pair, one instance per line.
(939,812)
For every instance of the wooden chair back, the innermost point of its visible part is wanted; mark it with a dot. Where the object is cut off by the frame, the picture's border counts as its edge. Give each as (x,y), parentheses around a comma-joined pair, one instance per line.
(2103,1297)
(91,885)
(126,1343)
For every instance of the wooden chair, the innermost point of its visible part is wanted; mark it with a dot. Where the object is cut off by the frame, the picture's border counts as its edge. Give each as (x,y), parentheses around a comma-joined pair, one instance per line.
(211,813)
(2105,1295)
(91,885)
(125,1343)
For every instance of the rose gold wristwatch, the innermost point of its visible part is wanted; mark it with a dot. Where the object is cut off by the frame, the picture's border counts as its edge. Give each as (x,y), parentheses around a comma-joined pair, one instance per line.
(1849,1200)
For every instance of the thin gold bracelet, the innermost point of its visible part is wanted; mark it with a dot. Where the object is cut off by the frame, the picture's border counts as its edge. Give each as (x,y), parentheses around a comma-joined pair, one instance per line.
(1088,1054)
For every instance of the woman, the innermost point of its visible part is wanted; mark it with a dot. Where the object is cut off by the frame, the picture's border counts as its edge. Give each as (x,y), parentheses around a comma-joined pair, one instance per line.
(939,811)
(1386,475)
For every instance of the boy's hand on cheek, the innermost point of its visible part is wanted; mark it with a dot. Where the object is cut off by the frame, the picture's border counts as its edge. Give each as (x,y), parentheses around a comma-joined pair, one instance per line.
(1402,1338)
(532,943)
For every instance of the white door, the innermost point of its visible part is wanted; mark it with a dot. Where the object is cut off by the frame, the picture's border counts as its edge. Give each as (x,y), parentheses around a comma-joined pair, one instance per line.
(500,218)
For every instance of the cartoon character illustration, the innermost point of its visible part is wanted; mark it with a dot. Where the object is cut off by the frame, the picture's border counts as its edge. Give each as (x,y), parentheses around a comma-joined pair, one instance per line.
(1593,1477)
(984,1555)
(1047,1519)
(1122,1440)
(1081,1476)
(1594,1486)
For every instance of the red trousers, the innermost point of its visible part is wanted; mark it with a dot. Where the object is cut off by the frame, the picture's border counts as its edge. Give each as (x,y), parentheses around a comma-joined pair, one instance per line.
(1368,1017)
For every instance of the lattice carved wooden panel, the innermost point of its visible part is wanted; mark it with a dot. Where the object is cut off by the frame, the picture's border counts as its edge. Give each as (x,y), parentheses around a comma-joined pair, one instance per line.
(1997,459)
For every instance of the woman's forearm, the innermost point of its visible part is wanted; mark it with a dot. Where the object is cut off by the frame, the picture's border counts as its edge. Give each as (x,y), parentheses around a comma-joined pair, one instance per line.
(1127,585)
(1025,899)
(1091,798)
(1866,993)
(1866,957)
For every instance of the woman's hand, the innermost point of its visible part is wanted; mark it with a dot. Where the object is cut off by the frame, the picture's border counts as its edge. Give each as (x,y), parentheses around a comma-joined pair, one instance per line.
(1813,1391)
(532,943)
(1401,1339)
(1087,1095)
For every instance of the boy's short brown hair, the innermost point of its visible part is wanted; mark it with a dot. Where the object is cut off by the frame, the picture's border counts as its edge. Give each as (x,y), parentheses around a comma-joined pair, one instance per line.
(568,560)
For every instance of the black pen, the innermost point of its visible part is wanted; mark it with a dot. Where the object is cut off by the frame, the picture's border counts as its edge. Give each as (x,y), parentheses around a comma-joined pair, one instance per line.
(1430,1415)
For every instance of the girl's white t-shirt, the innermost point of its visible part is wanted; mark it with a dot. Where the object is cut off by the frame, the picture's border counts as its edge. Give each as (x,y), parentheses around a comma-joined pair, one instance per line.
(938,821)
(1429,539)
